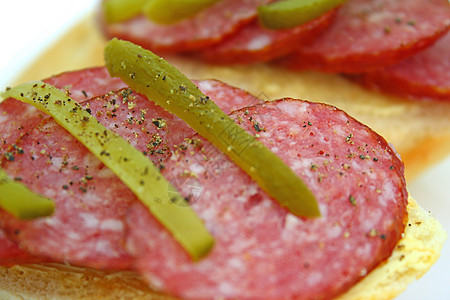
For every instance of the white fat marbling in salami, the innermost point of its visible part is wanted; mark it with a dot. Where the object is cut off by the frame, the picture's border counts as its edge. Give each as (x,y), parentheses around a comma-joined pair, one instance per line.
(261,250)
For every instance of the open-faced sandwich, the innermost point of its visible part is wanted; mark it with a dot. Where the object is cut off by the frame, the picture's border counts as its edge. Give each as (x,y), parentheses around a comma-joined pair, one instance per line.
(385,62)
(150,186)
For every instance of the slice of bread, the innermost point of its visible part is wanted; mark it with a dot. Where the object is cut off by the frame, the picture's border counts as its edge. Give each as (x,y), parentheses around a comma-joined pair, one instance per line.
(415,253)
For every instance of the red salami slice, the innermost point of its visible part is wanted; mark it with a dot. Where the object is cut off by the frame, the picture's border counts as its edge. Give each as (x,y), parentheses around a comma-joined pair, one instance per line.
(255,44)
(17,118)
(88,227)
(10,253)
(86,83)
(369,34)
(425,75)
(261,250)
(206,28)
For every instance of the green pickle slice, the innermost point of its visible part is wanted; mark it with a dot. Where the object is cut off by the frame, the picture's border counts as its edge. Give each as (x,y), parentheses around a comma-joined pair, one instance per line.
(130,165)
(22,203)
(121,10)
(172,11)
(152,76)
(290,13)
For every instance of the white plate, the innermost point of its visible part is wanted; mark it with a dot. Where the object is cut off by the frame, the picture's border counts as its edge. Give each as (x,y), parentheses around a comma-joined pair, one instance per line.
(28,27)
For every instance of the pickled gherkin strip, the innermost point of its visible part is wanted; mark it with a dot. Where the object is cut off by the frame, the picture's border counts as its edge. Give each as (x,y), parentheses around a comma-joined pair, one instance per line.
(172,11)
(121,10)
(130,165)
(22,203)
(290,13)
(150,75)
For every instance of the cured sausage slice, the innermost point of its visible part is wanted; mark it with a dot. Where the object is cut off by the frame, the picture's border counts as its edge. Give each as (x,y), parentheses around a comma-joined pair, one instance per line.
(10,253)
(90,201)
(206,28)
(86,83)
(254,43)
(425,75)
(88,226)
(80,84)
(369,34)
(261,250)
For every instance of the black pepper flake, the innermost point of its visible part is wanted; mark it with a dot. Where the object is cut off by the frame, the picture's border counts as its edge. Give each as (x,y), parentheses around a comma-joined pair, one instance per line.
(75,168)
(9,156)
(257,128)
(362,156)
(348,138)
(65,187)
(84,93)
(89,110)
(159,122)
(19,150)
(104,153)
(83,189)
(352,200)
(204,99)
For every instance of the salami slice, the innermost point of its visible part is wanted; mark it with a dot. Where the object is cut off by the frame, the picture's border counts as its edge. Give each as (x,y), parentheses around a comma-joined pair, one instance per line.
(261,250)
(254,44)
(88,227)
(17,118)
(10,252)
(369,34)
(206,28)
(425,75)
(86,83)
